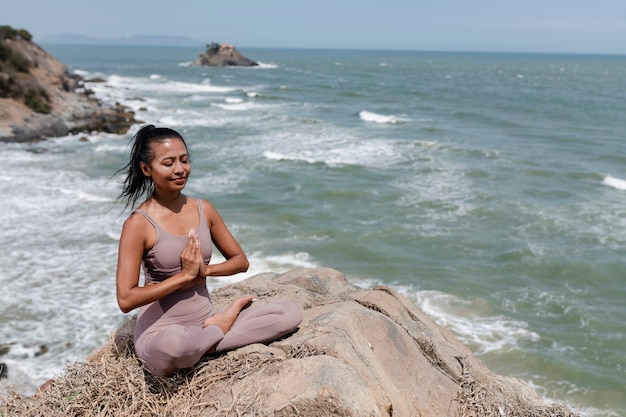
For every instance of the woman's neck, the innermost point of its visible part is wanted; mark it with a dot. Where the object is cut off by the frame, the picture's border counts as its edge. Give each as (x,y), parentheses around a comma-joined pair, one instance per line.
(173,202)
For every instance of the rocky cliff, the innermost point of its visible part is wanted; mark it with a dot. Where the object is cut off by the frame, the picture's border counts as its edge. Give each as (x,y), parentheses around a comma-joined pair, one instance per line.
(223,55)
(39,98)
(358,352)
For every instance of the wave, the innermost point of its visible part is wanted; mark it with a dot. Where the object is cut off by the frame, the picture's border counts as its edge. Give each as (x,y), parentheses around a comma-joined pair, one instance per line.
(266,65)
(236,106)
(260,264)
(81,195)
(277,156)
(120,87)
(333,149)
(615,183)
(488,333)
(368,116)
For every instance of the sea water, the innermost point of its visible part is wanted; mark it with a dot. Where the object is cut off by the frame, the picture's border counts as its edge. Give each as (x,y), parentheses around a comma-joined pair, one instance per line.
(488,188)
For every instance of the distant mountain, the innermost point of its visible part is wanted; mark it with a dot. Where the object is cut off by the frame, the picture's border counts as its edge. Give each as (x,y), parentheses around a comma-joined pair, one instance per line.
(136,40)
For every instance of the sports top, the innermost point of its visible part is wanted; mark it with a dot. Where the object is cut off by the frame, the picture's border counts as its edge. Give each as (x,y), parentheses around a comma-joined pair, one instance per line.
(163,260)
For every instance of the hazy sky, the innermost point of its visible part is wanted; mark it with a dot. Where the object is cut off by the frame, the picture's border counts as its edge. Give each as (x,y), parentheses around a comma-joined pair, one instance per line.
(579,26)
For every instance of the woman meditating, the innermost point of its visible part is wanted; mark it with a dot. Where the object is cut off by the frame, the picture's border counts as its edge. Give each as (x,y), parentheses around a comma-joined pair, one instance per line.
(172,236)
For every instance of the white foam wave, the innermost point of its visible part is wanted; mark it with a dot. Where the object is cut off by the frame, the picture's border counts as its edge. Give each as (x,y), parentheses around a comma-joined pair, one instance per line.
(277,156)
(471,322)
(120,87)
(81,195)
(243,106)
(266,65)
(616,183)
(189,117)
(106,148)
(262,264)
(292,260)
(334,149)
(80,72)
(368,116)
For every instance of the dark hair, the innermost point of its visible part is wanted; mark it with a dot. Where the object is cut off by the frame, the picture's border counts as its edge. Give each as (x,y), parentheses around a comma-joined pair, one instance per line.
(136,183)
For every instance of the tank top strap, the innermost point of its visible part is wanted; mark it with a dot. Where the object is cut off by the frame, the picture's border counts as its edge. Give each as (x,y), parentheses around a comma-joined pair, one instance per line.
(150,219)
(201,213)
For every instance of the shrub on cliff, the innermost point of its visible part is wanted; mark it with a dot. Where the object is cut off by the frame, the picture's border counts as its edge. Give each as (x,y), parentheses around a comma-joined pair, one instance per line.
(12,61)
(7,32)
(15,79)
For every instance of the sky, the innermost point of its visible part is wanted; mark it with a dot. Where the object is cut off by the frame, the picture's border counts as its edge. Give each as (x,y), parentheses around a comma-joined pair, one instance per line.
(544,26)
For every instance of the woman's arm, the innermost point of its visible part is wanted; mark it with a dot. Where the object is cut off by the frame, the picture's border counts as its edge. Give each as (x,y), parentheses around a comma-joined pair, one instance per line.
(225,242)
(131,249)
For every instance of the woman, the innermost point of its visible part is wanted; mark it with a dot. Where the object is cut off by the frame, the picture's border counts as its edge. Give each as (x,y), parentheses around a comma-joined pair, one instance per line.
(171,236)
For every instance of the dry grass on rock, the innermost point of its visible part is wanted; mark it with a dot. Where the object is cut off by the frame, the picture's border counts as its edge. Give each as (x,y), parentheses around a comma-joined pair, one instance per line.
(115,384)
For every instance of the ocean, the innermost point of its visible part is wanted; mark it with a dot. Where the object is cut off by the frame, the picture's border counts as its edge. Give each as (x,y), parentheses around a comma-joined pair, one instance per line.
(489,188)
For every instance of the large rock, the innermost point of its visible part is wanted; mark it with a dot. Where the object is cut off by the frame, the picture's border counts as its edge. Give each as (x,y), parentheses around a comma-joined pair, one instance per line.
(358,352)
(39,99)
(223,56)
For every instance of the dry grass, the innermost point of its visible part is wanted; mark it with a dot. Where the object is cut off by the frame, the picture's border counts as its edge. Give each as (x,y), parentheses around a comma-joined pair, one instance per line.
(473,399)
(115,384)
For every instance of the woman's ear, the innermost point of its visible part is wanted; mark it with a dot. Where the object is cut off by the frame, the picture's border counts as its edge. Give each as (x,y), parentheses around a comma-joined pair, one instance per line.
(145,169)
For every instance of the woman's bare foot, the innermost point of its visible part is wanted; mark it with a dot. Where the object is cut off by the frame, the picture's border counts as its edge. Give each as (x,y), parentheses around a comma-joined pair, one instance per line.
(225,319)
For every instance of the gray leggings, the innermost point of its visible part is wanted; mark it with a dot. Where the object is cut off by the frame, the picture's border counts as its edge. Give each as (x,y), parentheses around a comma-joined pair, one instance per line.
(169,333)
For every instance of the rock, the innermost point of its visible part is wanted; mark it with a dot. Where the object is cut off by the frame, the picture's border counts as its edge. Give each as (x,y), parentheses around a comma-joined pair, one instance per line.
(39,99)
(358,352)
(223,56)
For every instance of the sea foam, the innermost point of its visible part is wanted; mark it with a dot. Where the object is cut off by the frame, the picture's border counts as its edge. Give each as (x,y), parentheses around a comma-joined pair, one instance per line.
(615,183)
(473,324)
(368,116)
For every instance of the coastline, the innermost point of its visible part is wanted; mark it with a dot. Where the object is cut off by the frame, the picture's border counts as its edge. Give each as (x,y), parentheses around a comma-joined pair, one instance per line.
(40,99)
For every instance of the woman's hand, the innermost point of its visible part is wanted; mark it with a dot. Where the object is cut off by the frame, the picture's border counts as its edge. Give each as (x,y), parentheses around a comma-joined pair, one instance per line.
(204,270)
(191,257)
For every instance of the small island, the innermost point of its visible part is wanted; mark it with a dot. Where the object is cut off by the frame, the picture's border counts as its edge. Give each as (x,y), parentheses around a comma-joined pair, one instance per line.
(223,55)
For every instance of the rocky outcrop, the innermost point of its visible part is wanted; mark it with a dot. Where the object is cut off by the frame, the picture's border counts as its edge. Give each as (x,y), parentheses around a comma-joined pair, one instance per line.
(39,99)
(358,352)
(223,55)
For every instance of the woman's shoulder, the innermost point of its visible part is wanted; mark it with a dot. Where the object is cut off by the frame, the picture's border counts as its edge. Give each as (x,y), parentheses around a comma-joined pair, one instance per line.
(206,205)
(136,221)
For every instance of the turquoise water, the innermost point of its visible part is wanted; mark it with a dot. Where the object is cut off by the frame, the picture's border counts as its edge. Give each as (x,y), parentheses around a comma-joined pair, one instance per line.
(488,188)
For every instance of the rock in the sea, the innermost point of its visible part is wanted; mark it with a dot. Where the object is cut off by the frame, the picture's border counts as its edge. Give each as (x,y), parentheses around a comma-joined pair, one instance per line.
(223,55)
(358,352)
(39,99)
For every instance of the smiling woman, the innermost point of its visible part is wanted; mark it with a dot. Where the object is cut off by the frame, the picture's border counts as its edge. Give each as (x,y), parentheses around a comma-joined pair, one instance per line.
(172,236)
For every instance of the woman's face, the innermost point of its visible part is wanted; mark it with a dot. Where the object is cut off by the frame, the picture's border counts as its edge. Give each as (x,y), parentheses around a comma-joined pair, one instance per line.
(170,166)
